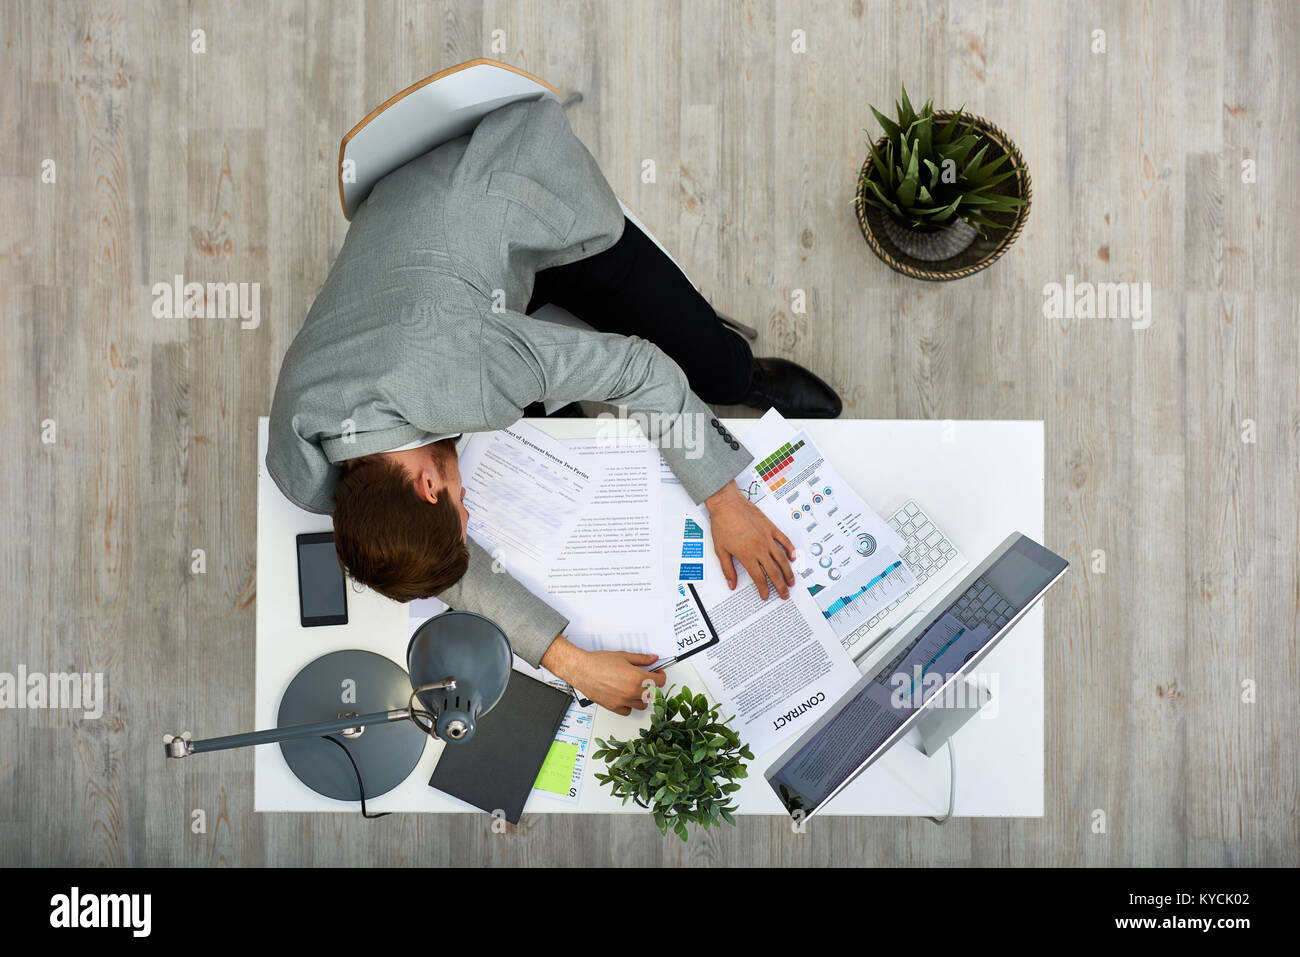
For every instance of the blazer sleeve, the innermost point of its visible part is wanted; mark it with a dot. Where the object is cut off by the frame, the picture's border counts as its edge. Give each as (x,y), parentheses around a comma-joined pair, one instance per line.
(529,623)
(528,360)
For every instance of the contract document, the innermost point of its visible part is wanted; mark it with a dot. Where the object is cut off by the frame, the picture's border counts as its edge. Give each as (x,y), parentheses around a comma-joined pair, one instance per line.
(777,664)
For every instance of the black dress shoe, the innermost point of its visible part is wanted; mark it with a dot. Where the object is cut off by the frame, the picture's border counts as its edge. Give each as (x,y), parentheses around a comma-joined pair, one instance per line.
(792,390)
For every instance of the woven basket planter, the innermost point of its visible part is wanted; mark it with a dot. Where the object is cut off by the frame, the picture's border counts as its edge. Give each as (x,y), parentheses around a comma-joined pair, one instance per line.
(947,252)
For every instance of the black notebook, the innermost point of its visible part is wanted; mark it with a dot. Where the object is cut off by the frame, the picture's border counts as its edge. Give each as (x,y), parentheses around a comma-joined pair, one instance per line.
(496,768)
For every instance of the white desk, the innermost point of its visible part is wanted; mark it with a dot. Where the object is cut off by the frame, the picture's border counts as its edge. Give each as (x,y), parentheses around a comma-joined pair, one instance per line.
(979,480)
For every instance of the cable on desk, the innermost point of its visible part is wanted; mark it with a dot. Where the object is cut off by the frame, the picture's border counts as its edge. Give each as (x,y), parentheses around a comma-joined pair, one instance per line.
(952,786)
(361,789)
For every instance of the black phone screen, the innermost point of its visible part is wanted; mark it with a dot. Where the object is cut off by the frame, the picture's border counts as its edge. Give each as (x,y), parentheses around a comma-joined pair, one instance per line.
(322,593)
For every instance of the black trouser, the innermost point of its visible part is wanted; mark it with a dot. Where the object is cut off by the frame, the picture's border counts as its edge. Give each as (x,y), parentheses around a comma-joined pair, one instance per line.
(634,289)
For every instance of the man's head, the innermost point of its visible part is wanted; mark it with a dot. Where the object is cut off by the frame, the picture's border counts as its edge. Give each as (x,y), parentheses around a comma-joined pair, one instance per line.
(400,523)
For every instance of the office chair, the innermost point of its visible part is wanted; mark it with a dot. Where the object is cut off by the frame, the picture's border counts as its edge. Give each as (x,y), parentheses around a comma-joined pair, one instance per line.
(440,108)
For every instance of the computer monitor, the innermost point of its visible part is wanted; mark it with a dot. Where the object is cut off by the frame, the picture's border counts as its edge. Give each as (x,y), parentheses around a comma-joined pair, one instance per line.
(948,642)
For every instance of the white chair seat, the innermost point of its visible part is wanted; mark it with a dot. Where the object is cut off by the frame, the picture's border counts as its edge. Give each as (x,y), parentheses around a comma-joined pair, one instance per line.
(440,108)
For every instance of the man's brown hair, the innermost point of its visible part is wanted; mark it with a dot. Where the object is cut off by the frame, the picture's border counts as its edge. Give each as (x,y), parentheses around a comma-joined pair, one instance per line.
(390,538)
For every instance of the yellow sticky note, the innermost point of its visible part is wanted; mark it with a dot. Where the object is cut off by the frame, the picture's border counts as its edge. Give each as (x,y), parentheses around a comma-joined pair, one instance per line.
(556,775)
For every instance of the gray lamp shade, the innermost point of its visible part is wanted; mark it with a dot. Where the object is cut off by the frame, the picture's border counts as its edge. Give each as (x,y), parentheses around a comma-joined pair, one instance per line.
(469,648)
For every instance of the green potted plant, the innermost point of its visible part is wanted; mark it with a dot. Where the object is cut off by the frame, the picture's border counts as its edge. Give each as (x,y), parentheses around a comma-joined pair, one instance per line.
(941,194)
(683,768)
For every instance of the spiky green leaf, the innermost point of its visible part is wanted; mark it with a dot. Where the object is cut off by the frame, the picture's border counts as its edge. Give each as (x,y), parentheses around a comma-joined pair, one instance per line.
(886,124)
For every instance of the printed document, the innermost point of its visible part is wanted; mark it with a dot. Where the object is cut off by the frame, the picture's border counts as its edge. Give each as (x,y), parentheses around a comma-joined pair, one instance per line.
(779,664)
(585,535)
(525,493)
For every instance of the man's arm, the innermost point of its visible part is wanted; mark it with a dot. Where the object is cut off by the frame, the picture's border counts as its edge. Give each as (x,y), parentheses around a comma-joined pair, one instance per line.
(529,360)
(489,590)
(610,678)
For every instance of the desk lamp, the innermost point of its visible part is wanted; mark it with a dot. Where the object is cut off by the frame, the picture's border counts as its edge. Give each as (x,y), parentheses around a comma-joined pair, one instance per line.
(458,662)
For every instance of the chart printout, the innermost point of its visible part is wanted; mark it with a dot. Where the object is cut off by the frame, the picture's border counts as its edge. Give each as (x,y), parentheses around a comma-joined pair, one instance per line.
(847,557)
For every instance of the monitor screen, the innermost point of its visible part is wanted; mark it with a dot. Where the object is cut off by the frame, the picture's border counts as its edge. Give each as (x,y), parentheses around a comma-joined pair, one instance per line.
(878,705)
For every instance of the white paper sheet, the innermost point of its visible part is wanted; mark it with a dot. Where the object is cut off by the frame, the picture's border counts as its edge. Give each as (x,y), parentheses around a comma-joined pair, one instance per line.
(777,664)
(582,531)
(847,557)
(608,580)
(525,493)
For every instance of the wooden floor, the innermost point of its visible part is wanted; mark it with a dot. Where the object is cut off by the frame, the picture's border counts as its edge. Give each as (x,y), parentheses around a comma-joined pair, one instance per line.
(1172,674)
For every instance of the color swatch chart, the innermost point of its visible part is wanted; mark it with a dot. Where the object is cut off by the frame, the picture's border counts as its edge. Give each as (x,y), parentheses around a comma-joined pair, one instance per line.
(774,469)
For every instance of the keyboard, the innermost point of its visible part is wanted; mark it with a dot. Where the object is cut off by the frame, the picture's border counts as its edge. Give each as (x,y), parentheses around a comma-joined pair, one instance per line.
(932,559)
(982,605)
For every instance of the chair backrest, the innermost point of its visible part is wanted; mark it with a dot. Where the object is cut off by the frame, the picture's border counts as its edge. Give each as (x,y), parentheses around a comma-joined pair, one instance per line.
(437,109)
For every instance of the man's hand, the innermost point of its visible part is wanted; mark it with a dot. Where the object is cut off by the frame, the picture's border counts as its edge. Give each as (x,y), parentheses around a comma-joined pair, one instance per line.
(742,532)
(612,679)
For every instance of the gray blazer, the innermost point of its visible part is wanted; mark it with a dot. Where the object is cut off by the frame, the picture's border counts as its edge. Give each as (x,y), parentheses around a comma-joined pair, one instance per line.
(420,327)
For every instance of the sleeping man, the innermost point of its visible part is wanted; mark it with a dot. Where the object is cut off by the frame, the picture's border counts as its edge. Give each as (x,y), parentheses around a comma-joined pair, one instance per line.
(421,333)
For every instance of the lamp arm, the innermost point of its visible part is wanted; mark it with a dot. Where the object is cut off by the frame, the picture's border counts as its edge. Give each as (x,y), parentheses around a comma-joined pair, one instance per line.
(183,745)
(180,746)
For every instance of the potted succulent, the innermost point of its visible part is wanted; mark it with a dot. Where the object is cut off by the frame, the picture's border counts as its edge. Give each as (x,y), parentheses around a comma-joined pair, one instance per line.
(683,768)
(941,195)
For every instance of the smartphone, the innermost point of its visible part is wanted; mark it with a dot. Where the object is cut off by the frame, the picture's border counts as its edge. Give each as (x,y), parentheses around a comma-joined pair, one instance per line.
(322,592)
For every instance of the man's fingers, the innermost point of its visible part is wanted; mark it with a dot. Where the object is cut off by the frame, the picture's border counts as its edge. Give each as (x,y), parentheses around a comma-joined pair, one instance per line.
(640,706)
(778,579)
(785,542)
(755,571)
(658,677)
(783,565)
(623,710)
(728,566)
(633,657)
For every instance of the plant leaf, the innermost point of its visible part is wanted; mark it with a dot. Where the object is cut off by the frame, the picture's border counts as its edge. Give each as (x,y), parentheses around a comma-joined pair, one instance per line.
(989,168)
(880,194)
(943,135)
(907,189)
(974,161)
(921,129)
(886,124)
(878,162)
(997,179)
(958,151)
(906,115)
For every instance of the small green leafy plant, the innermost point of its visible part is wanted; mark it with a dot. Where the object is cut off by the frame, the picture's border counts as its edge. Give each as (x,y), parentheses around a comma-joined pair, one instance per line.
(931,173)
(684,767)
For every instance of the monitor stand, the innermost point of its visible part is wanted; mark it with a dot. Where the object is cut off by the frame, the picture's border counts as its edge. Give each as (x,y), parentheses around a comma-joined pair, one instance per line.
(956,706)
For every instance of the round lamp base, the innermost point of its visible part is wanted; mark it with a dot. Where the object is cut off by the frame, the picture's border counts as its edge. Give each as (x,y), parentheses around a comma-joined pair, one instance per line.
(385,754)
